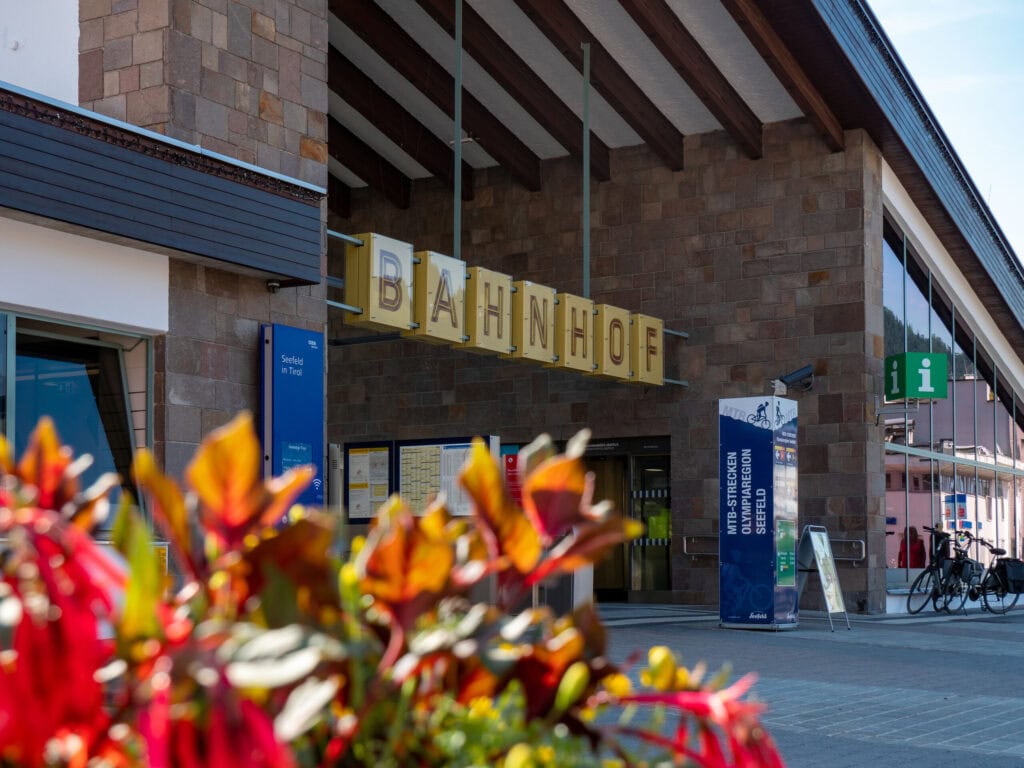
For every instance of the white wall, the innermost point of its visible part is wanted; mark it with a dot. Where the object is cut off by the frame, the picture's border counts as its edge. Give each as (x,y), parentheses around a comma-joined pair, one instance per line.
(39,46)
(70,277)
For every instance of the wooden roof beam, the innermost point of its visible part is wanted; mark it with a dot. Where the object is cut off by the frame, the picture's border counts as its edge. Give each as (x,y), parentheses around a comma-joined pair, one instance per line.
(387,38)
(567,33)
(394,121)
(513,74)
(353,153)
(689,59)
(792,76)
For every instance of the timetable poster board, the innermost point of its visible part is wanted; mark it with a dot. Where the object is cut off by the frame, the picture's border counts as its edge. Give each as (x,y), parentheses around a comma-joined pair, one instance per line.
(367,478)
(757,512)
(427,468)
(292,392)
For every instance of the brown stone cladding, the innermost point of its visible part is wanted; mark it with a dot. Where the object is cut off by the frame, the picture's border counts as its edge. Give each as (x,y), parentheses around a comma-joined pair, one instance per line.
(245,79)
(768,264)
(207,365)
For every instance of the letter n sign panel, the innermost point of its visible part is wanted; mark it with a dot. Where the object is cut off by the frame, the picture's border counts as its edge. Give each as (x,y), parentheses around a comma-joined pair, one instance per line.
(916,375)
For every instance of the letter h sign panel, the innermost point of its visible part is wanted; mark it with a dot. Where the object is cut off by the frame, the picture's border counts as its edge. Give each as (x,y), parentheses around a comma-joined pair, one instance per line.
(916,375)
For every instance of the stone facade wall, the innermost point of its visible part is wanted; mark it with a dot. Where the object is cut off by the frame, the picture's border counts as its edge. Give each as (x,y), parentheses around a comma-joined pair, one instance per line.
(763,263)
(247,80)
(207,365)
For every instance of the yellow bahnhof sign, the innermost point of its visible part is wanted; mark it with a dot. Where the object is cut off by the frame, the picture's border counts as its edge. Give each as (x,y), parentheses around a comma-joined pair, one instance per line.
(437,298)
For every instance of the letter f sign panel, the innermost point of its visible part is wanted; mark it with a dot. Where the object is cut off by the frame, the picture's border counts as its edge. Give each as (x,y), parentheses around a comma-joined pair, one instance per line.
(916,375)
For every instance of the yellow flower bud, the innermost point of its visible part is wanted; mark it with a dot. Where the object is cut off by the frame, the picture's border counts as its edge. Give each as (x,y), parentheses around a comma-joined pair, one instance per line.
(617,684)
(572,686)
(520,756)
(661,668)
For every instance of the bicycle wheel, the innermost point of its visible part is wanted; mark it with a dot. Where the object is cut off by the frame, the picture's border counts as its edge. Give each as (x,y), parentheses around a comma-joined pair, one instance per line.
(954,595)
(924,589)
(994,596)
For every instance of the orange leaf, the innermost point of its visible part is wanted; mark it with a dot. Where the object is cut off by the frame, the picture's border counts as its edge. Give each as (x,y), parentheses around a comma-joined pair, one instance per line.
(406,558)
(167,503)
(554,495)
(507,530)
(586,546)
(44,464)
(6,460)
(226,473)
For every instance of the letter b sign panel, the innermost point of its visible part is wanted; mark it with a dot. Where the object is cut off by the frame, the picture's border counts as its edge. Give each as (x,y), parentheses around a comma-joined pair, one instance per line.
(920,375)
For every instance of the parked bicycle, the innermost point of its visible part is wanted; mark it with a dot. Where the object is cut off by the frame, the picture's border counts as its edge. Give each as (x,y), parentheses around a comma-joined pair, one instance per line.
(930,585)
(959,577)
(960,573)
(1000,584)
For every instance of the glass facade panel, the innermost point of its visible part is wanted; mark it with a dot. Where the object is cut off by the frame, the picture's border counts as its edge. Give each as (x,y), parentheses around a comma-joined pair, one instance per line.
(892,293)
(985,411)
(93,384)
(82,388)
(918,313)
(958,462)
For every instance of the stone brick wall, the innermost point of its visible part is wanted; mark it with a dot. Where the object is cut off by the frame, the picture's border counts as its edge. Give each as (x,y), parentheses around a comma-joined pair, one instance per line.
(764,263)
(246,79)
(207,365)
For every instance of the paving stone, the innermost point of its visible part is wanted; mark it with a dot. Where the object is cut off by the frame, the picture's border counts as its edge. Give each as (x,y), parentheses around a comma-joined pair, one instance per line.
(930,690)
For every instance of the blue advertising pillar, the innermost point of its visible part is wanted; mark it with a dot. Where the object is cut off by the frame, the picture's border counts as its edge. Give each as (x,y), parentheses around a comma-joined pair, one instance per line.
(757,538)
(292,389)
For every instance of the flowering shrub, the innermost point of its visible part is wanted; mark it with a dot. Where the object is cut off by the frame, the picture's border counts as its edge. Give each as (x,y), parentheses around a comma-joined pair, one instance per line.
(276,651)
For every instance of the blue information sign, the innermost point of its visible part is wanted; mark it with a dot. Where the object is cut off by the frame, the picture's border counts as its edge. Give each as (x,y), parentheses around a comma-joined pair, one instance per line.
(292,386)
(757,512)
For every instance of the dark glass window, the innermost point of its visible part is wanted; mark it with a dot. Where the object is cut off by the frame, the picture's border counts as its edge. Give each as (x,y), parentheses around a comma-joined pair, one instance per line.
(81,386)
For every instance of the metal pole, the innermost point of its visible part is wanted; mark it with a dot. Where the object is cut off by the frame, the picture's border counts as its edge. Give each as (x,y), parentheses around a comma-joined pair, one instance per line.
(457,193)
(586,170)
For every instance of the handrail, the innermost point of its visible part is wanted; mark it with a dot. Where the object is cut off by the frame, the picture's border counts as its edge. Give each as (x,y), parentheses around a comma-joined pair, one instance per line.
(695,537)
(857,545)
(855,549)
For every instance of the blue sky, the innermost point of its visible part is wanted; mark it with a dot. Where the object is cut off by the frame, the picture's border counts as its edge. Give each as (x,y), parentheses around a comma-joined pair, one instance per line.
(967,58)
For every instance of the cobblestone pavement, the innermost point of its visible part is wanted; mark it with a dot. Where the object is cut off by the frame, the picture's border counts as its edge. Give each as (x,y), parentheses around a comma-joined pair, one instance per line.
(930,690)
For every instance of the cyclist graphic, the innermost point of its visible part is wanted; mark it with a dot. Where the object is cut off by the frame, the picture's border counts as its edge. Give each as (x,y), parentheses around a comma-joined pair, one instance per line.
(760,419)
(778,415)
(761,412)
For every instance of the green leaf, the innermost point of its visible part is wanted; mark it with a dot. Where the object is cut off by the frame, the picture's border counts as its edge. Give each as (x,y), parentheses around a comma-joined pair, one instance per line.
(279,598)
(131,538)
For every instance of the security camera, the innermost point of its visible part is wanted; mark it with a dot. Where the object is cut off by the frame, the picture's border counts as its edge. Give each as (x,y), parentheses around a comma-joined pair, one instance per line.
(802,377)
(799,376)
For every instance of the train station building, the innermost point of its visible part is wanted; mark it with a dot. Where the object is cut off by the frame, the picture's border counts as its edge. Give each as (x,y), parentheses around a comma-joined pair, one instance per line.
(657,205)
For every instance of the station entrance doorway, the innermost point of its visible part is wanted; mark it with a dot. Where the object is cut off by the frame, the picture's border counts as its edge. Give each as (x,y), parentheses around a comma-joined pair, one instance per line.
(634,474)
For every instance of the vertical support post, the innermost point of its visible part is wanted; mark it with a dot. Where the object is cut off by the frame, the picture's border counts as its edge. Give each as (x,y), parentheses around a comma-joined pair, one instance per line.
(457,147)
(586,170)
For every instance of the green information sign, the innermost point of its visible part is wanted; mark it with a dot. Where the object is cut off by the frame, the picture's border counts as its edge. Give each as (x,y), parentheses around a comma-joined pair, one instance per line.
(920,375)
(785,553)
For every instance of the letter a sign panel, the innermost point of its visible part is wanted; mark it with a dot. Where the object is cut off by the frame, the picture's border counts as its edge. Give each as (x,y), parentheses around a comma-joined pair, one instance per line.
(920,375)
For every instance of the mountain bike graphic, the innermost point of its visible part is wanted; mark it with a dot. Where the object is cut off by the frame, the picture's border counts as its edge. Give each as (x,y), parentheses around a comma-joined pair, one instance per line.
(760,418)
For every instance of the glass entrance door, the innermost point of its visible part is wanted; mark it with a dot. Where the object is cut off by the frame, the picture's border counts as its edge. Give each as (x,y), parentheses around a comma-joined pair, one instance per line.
(611,575)
(638,485)
(649,503)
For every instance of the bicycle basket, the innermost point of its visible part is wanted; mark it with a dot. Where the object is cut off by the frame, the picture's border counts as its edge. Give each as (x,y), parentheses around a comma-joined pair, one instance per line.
(1012,572)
